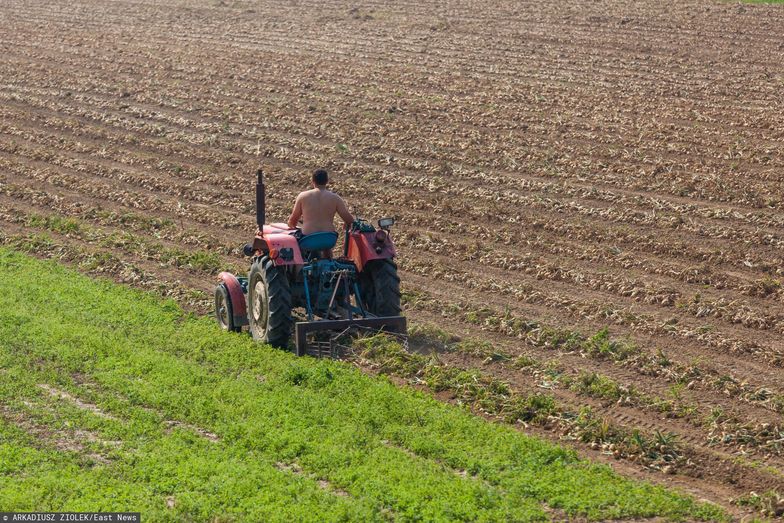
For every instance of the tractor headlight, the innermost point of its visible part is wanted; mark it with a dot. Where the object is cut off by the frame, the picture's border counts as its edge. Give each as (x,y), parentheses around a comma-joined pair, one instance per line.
(386,223)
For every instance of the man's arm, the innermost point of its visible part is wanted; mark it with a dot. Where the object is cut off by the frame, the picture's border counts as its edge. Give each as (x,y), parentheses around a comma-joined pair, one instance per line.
(343,212)
(296,214)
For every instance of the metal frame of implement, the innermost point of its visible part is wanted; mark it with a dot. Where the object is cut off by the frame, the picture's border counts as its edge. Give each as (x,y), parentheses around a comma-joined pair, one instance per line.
(395,324)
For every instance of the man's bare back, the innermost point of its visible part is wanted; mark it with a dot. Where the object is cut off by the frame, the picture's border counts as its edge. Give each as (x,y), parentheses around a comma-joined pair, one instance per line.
(317,208)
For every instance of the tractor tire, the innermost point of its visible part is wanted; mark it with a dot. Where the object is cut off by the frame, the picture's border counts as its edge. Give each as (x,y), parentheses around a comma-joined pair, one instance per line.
(223,310)
(269,304)
(380,288)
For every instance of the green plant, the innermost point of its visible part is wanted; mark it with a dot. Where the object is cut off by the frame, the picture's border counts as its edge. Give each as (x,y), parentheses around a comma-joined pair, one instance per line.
(770,503)
(600,344)
(182,421)
(602,387)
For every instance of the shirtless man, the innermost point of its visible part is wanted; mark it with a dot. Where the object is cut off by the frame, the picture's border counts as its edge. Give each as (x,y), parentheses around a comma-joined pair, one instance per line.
(317,207)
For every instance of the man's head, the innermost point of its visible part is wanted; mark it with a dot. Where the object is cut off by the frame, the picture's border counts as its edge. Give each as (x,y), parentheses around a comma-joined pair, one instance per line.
(320,178)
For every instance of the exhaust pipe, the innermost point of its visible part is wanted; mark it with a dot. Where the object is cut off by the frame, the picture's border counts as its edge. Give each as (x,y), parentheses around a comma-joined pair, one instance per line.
(250,249)
(260,203)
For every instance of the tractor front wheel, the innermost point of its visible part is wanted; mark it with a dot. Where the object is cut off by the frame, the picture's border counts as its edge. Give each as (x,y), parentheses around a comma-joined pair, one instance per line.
(223,310)
(269,304)
(380,288)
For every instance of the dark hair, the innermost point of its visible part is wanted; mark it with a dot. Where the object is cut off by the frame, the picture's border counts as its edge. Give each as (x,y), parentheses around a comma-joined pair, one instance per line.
(320,177)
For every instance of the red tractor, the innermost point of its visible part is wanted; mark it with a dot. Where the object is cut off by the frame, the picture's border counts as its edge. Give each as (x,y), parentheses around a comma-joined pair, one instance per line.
(360,289)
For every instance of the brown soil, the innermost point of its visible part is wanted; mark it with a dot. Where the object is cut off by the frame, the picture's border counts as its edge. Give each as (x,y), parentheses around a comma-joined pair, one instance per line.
(576,164)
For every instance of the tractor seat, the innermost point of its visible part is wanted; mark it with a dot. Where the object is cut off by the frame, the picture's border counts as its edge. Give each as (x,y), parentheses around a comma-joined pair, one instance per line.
(318,241)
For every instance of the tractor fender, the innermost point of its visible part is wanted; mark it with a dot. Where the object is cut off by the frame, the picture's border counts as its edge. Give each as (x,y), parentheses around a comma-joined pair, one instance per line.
(275,228)
(363,247)
(287,247)
(237,297)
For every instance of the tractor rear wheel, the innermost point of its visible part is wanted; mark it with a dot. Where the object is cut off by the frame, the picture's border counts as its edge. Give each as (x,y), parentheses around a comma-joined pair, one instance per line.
(380,288)
(269,304)
(223,309)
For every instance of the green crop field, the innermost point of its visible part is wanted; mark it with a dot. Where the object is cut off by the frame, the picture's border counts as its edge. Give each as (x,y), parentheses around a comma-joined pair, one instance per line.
(111,399)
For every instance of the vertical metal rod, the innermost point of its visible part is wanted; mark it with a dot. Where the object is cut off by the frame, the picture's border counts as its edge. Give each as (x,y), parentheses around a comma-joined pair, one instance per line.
(308,308)
(334,293)
(359,299)
(347,294)
(261,209)
(300,339)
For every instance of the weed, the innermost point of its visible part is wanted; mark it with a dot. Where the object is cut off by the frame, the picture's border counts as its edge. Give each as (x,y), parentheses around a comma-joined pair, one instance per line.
(389,356)
(524,362)
(431,337)
(767,286)
(661,359)
(600,344)
(204,261)
(770,503)
(676,390)
(602,387)
(481,349)
(54,223)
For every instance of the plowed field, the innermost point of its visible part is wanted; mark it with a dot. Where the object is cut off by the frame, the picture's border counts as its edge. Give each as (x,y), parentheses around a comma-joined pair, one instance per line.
(555,169)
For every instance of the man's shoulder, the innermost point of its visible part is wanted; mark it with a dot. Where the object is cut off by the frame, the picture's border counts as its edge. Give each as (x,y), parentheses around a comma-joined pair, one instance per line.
(326,193)
(334,195)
